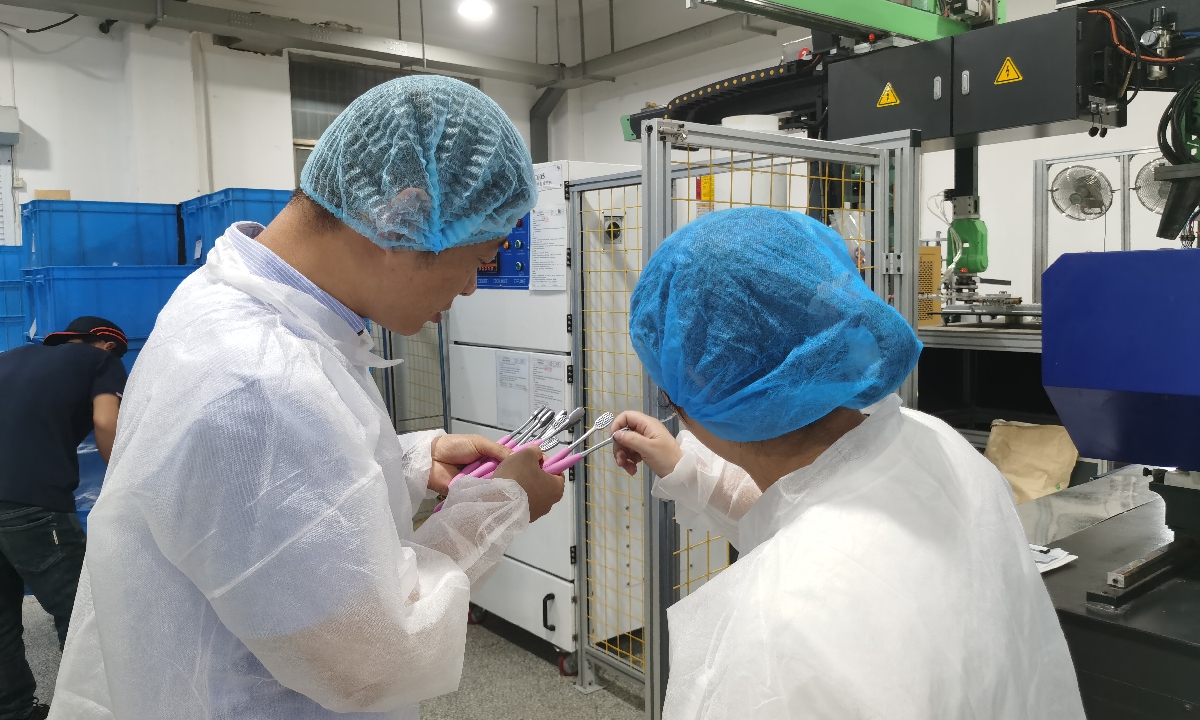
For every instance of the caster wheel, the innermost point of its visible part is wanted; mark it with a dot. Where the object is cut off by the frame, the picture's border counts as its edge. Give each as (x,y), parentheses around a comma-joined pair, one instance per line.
(568,664)
(475,614)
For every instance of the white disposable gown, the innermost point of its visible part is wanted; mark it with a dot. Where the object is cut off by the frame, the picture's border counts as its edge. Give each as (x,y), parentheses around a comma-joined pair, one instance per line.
(889,579)
(252,553)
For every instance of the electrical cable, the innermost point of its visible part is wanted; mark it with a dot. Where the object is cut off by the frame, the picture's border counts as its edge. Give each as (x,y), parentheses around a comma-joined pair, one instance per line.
(1172,119)
(1116,41)
(41,29)
(51,27)
(1135,66)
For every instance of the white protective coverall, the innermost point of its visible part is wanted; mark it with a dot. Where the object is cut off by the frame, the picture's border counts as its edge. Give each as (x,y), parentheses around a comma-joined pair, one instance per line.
(252,553)
(889,579)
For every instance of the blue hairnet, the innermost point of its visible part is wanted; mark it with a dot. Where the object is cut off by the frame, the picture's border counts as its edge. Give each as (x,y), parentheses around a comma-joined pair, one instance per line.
(424,163)
(756,323)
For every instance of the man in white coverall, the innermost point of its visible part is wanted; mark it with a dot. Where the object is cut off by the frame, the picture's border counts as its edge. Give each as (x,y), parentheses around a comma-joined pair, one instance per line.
(883,571)
(252,554)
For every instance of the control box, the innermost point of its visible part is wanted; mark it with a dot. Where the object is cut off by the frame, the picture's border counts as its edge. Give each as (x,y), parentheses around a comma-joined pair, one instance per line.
(509,270)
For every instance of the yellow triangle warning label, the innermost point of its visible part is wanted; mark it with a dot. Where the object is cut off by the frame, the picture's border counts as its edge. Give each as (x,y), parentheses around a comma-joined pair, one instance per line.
(1009,73)
(888,98)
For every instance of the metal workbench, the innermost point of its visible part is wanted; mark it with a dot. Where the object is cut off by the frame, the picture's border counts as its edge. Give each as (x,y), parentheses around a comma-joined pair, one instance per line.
(1142,662)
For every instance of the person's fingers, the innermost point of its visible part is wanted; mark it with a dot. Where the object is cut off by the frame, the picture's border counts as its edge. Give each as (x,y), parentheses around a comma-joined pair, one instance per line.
(621,422)
(631,440)
(625,457)
(487,448)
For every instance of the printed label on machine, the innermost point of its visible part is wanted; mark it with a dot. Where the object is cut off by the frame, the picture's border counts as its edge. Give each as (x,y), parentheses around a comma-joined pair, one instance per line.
(889,98)
(549,177)
(1009,73)
(548,248)
(548,376)
(512,388)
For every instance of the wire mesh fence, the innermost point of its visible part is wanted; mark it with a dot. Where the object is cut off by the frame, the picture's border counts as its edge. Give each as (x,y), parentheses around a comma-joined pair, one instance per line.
(412,390)
(837,194)
(418,403)
(709,180)
(610,262)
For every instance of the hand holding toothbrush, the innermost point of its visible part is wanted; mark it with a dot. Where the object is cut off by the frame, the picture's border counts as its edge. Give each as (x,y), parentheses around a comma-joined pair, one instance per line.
(641,438)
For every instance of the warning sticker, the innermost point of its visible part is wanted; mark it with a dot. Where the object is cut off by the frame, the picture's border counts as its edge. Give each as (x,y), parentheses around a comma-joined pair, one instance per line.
(1009,73)
(888,98)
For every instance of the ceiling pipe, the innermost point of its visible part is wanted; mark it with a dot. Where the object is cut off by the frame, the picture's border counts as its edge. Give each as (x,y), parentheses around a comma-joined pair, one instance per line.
(539,123)
(270,34)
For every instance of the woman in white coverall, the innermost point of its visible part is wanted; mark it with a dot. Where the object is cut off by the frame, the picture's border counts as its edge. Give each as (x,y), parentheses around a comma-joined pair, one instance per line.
(883,571)
(252,554)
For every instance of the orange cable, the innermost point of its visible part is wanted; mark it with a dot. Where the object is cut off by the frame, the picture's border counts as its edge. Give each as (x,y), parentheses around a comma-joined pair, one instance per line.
(1113,23)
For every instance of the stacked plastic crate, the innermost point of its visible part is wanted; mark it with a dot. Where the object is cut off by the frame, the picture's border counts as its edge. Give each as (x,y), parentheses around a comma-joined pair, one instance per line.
(12,314)
(204,219)
(120,261)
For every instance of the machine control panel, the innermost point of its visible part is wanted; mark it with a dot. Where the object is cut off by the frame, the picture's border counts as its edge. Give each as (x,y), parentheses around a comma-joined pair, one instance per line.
(509,270)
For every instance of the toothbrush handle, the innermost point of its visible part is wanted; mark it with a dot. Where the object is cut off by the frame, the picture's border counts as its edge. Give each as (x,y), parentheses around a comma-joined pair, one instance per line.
(557,468)
(475,465)
(559,455)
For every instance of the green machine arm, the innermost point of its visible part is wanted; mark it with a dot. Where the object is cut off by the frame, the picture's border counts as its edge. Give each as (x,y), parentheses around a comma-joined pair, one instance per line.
(858,18)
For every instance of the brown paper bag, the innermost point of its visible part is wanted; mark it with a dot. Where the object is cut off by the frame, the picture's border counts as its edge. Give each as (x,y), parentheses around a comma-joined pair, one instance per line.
(1036,459)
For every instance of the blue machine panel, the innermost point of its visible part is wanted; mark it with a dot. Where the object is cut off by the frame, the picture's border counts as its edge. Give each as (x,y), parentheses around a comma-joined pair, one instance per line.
(510,269)
(1120,344)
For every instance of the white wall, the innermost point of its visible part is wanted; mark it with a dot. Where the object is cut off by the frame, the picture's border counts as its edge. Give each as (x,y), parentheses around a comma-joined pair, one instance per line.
(115,117)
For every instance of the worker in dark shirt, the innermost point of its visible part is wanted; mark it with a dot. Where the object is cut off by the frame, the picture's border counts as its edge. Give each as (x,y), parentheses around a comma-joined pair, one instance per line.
(51,396)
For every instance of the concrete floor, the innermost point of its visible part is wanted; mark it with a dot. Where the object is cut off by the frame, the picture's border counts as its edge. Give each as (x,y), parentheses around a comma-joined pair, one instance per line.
(501,681)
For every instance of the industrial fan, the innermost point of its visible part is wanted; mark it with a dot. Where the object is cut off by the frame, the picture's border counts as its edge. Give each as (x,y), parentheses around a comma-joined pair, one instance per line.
(1082,193)
(1152,193)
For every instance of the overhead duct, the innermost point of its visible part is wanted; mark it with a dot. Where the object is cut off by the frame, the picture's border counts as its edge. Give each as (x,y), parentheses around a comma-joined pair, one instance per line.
(270,34)
(539,123)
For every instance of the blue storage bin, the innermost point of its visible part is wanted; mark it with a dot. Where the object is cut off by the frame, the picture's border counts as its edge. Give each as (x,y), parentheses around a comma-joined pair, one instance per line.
(207,217)
(129,295)
(12,296)
(12,332)
(71,232)
(12,259)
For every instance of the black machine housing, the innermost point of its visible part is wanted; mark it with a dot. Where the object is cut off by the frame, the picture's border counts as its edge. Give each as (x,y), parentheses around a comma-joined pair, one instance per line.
(1072,76)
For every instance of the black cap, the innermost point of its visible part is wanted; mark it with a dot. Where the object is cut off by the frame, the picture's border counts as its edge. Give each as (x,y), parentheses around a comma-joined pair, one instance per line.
(91,328)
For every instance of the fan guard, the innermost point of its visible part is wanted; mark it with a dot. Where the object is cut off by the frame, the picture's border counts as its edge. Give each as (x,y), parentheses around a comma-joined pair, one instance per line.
(1150,192)
(1082,193)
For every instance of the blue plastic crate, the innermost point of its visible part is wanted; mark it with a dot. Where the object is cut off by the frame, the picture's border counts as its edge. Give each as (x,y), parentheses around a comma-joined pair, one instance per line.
(12,259)
(12,298)
(129,295)
(12,332)
(207,217)
(71,232)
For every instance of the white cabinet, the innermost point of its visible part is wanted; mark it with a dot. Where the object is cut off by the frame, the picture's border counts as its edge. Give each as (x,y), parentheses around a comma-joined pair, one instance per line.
(533,585)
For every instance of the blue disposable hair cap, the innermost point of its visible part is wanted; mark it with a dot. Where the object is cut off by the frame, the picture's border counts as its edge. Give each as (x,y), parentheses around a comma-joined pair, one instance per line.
(756,322)
(423,163)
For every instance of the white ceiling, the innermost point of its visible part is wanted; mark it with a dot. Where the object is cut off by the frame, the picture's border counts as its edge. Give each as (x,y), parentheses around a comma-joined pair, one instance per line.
(508,33)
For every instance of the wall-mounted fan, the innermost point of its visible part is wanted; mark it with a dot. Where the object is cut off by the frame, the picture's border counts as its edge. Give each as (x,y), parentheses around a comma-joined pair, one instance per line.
(1082,193)
(1152,193)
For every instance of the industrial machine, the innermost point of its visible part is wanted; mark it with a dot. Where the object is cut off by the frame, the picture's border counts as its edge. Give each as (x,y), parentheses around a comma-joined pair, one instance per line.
(955,71)
(1119,370)
(499,373)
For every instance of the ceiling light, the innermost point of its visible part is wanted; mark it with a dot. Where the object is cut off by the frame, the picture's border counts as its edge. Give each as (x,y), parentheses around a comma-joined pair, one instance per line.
(475,9)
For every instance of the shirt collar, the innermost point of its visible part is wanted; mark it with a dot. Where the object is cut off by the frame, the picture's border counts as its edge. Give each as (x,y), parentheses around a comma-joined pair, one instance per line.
(267,265)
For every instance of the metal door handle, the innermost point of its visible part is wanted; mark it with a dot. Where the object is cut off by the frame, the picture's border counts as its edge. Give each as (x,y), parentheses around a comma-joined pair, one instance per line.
(546,612)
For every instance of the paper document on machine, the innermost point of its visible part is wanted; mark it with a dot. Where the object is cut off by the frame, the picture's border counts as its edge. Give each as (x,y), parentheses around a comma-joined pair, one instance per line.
(549,177)
(548,248)
(549,378)
(1049,558)
(512,388)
